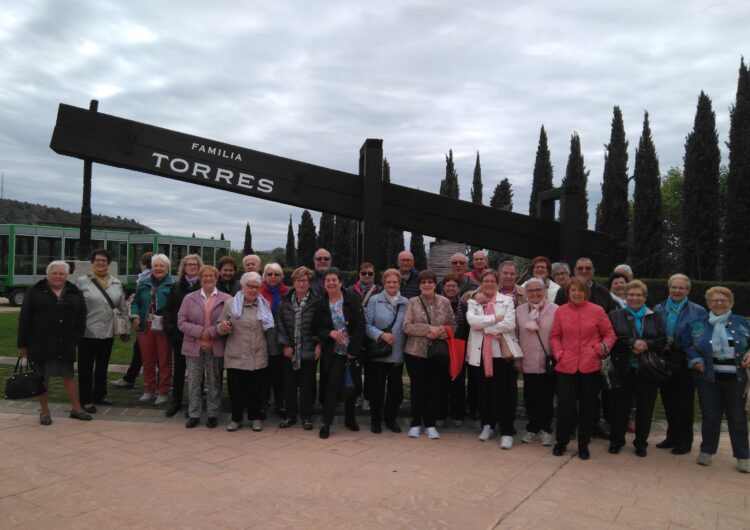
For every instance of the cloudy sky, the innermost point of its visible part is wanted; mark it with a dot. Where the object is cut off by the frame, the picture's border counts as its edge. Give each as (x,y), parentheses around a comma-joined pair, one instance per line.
(312,80)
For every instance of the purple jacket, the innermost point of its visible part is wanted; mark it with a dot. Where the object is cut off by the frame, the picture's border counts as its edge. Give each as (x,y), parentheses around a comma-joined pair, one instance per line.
(190,321)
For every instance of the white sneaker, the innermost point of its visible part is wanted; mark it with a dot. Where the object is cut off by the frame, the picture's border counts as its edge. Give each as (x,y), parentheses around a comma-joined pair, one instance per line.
(257,425)
(233,426)
(529,437)
(161,399)
(704,459)
(147,396)
(506,442)
(547,439)
(432,433)
(486,433)
(743,465)
(414,432)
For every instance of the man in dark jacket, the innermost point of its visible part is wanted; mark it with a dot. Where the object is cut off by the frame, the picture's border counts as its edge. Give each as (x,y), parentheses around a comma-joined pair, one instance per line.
(409,281)
(598,294)
(322,261)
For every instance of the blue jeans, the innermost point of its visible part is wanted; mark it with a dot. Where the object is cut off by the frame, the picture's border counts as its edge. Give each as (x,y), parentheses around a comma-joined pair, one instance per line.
(723,396)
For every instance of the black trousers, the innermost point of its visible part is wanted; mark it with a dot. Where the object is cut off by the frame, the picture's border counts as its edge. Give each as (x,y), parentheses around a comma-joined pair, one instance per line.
(496,395)
(452,396)
(644,389)
(424,376)
(576,399)
(246,391)
(333,391)
(471,393)
(678,397)
(136,363)
(299,386)
(275,382)
(385,385)
(179,366)
(538,397)
(93,361)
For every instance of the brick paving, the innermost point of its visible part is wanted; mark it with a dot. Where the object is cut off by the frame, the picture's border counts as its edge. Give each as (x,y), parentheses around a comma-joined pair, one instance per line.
(133,468)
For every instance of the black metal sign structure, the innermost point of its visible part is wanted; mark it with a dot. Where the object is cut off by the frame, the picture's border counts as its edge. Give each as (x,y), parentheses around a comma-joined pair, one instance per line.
(119,142)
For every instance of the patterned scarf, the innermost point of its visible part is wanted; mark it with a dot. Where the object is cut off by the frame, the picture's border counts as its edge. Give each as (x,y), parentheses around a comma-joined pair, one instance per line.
(719,339)
(489,309)
(536,309)
(673,314)
(298,307)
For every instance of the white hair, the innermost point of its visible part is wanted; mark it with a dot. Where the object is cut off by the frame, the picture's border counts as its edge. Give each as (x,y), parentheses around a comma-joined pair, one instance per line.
(58,263)
(560,265)
(162,257)
(273,266)
(250,276)
(535,280)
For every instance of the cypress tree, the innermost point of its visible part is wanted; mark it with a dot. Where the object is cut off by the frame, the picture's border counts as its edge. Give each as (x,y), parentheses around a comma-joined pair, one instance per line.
(612,213)
(247,248)
(502,199)
(542,172)
(306,239)
(671,200)
(345,243)
(353,245)
(576,176)
(449,185)
(476,183)
(393,239)
(290,254)
(737,216)
(325,232)
(222,236)
(700,196)
(416,247)
(648,220)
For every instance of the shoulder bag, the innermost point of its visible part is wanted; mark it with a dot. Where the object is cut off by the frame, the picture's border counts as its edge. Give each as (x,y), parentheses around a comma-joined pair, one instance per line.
(120,324)
(377,349)
(437,349)
(24,383)
(655,366)
(608,370)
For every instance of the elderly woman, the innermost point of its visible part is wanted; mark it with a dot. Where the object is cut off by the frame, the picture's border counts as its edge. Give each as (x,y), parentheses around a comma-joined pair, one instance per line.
(272,290)
(248,322)
(616,284)
(560,272)
(104,295)
(340,329)
(202,346)
(384,317)
(678,392)
(452,392)
(541,269)
(188,282)
(148,308)
(718,351)
(581,335)
(425,321)
(51,325)
(490,353)
(533,327)
(638,330)
(228,282)
(295,334)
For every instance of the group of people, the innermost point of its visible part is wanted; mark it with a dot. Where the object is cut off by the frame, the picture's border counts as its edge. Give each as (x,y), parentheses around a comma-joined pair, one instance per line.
(555,329)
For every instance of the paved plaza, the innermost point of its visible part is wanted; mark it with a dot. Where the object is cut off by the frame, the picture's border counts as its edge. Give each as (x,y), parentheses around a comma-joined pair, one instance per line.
(132,468)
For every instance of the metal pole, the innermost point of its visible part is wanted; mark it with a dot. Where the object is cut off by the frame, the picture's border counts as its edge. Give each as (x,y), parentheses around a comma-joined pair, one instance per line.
(84,241)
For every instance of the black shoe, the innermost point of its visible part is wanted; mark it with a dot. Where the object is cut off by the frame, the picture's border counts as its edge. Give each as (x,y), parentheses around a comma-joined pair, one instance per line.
(104,401)
(640,451)
(558,450)
(394,427)
(281,412)
(600,433)
(172,410)
(80,415)
(286,423)
(666,443)
(192,423)
(352,425)
(376,428)
(307,424)
(583,452)
(325,431)
(681,449)
(89,407)
(212,423)
(614,448)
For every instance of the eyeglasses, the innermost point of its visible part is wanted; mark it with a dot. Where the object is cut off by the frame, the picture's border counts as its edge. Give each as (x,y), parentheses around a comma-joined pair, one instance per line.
(191,264)
(584,268)
(322,258)
(273,274)
(101,260)
(719,301)
(247,285)
(459,262)
(366,273)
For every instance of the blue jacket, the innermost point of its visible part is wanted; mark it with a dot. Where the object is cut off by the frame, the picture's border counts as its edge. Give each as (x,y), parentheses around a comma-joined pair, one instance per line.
(697,340)
(689,314)
(142,299)
(379,314)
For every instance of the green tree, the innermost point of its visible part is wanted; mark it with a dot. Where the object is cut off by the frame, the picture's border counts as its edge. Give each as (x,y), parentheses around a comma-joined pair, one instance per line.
(700,197)
(502,199)
(306,239)
(476,183)
(291,253)
(449,185)
(346,233)
(325,232)
(671,200)
(612,213)
(542,172)
(393,238)
(247,247)
(648,220)
(737,210)
(576,178)
(416,247)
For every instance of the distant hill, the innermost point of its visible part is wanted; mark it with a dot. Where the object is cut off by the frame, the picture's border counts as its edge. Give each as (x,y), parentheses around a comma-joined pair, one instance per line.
(38,214)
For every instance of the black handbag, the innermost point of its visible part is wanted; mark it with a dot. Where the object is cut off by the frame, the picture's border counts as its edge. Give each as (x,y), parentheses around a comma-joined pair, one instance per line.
(655,366)
(437,349)
(377,349)
(609,370)
(24,383)
(549,360)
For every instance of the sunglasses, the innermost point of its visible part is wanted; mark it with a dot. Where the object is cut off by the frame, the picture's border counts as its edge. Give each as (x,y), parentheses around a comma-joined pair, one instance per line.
(459,262)
(273,274)
(366,273)
(322,258)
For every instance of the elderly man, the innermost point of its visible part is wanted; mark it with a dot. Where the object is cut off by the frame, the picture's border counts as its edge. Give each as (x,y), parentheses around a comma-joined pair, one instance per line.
(459,264)
(479,265)
(560,273)
(598,294)
(409,281)
(322,261)
(251,263)
(508,287)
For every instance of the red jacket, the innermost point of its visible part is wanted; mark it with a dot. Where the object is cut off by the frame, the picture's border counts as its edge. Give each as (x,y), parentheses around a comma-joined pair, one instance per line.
(577,334)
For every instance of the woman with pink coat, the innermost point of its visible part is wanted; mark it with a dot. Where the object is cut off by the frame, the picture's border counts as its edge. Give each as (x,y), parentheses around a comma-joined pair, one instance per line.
(581,335)
(202,346)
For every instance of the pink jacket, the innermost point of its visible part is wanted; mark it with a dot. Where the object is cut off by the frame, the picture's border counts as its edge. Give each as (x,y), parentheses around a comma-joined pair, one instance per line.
(190,321)
(533,353)
(577,334)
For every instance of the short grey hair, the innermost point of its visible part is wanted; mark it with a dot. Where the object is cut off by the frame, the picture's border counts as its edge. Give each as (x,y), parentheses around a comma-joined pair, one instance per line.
(560,265)
(624,267)
(535,280)
(250,276)
(162,257)
(508,263)
(273,266)
(58,263)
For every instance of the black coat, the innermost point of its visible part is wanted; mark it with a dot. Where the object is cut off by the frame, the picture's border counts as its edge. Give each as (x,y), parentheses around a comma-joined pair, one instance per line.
(52,328)
(232,289)
(355,325)
(179,291)
(284,318)
(623,322)
(410,288)
(598,294)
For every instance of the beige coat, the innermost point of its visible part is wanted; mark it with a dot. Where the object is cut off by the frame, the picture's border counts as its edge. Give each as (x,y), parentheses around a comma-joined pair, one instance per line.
(246,347)
(416,324)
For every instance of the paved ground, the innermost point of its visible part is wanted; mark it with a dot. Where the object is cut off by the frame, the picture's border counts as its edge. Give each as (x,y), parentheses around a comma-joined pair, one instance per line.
(150,472)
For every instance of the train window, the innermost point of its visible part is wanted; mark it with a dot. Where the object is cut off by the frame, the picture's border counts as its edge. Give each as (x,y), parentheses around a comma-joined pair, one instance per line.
(48,249)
